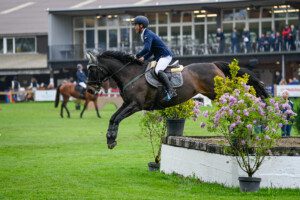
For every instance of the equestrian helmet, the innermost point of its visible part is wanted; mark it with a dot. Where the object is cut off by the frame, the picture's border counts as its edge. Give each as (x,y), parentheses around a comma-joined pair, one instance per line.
(141,20)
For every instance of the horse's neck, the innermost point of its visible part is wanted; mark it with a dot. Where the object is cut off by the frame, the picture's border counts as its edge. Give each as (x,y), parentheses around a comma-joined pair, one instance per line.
(123,76)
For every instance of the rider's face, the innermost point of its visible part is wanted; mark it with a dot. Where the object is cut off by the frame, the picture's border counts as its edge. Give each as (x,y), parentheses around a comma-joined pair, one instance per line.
(137,28)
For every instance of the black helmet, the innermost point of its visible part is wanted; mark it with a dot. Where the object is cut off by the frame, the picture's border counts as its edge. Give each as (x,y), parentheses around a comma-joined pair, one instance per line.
(141,20)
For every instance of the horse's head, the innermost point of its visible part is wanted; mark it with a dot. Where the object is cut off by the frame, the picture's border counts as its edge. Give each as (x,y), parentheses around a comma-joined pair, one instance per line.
(97,74)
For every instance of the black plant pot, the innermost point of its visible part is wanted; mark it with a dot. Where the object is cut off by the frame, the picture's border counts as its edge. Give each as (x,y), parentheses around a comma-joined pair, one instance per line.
(175,127)
(153,166)
(249,184)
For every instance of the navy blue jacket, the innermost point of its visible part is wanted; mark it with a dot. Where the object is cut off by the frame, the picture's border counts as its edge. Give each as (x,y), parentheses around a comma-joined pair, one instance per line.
(153,45)
(81,77)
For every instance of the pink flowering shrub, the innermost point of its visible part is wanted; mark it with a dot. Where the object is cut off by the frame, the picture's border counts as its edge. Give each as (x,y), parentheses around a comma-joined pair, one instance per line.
(249,124)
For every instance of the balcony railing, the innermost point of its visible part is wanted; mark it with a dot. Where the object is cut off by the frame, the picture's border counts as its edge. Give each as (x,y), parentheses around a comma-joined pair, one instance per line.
(77,52)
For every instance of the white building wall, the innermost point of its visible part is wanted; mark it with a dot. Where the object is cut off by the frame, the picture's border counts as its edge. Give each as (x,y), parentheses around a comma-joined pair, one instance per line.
(276,171)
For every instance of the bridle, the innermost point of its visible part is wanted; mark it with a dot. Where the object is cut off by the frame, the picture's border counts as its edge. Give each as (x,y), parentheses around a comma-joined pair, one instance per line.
(102,69)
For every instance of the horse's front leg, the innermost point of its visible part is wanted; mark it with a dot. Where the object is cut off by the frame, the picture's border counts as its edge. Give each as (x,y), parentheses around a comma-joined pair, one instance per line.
(124,111)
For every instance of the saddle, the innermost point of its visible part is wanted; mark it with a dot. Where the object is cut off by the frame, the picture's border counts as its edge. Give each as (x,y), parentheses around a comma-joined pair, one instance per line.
(173,72)
(79,88)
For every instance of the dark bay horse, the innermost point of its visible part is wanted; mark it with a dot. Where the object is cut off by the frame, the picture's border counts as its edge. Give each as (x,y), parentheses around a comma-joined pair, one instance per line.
(138,95)
(68,90)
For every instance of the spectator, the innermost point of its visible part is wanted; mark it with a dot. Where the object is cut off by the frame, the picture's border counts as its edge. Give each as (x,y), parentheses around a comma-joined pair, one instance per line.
(293,81)
(221,40)
(261,43)
(282,82)
(285,36)
(51,84)
(286,128)
(278,77)
(267,42)
(292,38)
(234,41)
(246,40)
(278,42)
(15,86)
(33,84)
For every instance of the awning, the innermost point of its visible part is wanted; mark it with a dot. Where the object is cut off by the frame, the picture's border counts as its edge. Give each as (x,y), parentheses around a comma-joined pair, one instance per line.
(23,61)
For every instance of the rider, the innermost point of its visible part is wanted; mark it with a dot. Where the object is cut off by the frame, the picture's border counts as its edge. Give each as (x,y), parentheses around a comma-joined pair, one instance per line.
(154,45)
(81,79)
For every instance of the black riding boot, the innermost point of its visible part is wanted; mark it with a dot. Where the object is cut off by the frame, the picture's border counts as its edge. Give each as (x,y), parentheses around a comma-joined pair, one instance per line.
(82,92)
(162,77)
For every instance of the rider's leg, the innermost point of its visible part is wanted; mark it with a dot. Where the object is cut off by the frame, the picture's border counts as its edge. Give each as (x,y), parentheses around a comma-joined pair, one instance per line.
(82,90)
(159,70)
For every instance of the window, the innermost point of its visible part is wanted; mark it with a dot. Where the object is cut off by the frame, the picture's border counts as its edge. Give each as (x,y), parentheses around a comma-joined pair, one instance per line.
(266,13)
(89,22)
(1,45)
(125,37)
(175,17)
(240,14)
(228,15)
(163,33)
(25,45)
(102,39)
(113,38)
(112,20)
(124,20)
(253,13)
(90,40)
(9,45)
(101,21)
(152,18)
(187,17)
(175,35)
(78,22)
(163,18)
(199,34)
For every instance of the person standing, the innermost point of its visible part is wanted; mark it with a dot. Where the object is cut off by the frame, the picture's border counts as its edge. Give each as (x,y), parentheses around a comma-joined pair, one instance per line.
(292,38)
(246,40)
(221,40)
(15,86)
(234,41)
(153,45)
(286,128)
(285,36)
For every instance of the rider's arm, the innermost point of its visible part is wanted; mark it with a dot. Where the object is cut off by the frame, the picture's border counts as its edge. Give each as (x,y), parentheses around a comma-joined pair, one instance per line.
(148,55)
(147,47)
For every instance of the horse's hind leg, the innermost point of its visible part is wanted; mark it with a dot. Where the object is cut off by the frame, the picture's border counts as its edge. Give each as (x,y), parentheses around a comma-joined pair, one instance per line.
(84,107)
(62,110)
(96,108)
(65,105)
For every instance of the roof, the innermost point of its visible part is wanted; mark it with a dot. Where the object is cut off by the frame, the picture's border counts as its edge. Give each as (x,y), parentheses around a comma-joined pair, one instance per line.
(23,61)
(31,16)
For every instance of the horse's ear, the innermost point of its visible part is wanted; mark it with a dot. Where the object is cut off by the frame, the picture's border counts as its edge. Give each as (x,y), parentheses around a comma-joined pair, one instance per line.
(92,58)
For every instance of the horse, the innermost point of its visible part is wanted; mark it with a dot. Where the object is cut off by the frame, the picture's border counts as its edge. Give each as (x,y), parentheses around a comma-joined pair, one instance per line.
(138,95)
(68,90)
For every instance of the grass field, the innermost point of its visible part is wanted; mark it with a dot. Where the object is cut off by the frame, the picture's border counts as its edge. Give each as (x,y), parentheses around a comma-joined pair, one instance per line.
(45,157)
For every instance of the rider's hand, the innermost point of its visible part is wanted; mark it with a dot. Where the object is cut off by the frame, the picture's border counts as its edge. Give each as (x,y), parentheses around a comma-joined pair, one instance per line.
(141,59)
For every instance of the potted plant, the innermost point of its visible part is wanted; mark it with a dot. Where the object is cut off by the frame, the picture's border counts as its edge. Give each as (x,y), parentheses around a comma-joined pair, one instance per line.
(175,116)
(154,128)
(249,124)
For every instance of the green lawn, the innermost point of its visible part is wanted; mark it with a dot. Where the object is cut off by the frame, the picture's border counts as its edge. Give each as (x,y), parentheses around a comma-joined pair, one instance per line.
(45,157)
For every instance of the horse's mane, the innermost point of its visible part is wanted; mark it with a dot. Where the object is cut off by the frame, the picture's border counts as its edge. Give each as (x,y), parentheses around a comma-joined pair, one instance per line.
(121,56)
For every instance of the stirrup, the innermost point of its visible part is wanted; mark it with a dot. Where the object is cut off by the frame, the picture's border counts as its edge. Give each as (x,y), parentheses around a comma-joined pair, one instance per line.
(169,95)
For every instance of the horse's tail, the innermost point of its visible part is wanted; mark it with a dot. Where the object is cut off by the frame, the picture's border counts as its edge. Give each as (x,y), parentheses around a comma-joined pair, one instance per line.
(57,96)
(253,80)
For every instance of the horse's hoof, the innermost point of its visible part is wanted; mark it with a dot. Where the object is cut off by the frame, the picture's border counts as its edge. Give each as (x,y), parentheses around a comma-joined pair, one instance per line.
(99,116)
(62,116)
(112,145)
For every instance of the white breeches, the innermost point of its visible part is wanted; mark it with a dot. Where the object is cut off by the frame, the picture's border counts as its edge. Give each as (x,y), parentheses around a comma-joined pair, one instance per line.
(82,84)
(163,63)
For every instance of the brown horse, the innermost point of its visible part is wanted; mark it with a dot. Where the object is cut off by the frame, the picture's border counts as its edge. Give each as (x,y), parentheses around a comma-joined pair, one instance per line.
(138,95)
(68,90)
